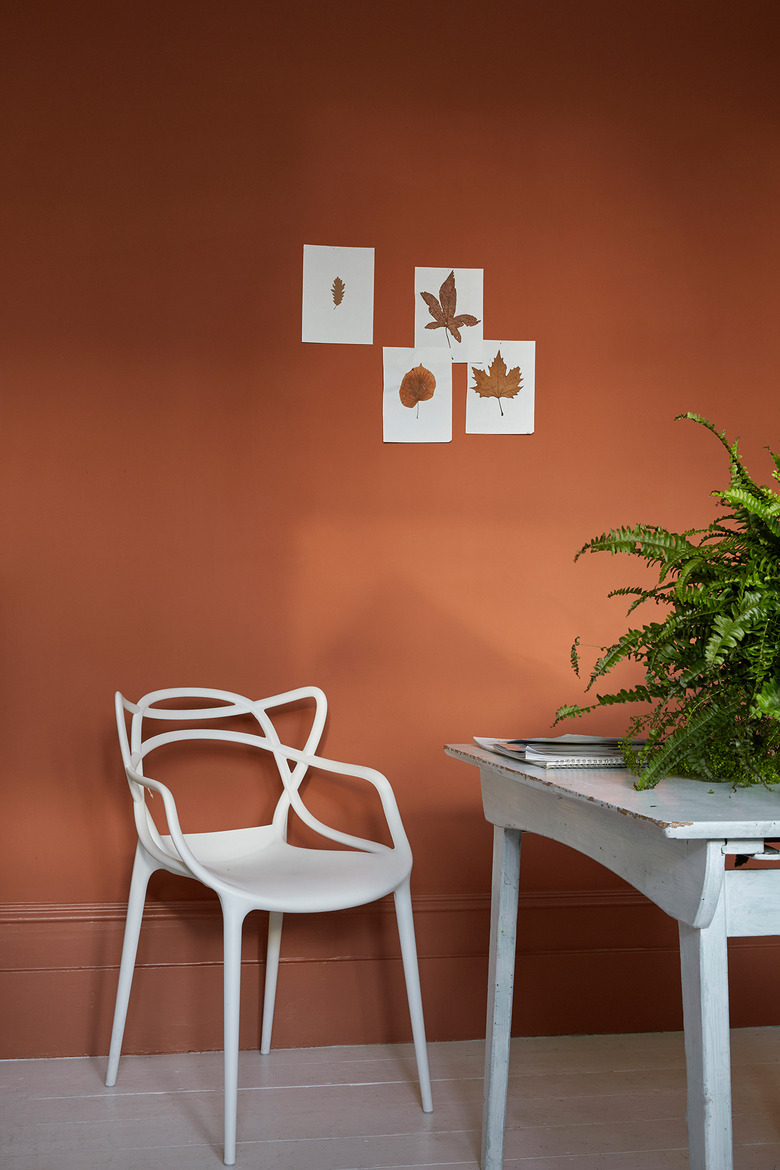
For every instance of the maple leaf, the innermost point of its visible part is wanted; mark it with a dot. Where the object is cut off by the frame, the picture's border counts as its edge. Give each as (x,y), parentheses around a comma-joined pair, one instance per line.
(443,310)
(498,383)
(337,290)
(417,386)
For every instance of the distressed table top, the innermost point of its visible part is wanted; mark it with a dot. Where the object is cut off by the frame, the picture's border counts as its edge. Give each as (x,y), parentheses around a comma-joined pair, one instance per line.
(678,807)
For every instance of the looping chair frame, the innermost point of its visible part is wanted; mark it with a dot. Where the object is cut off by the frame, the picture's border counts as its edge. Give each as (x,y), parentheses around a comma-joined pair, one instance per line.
(256,868)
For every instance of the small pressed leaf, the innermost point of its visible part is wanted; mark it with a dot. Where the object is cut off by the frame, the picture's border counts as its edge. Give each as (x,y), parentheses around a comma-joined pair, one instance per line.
(337,290)
(417,386)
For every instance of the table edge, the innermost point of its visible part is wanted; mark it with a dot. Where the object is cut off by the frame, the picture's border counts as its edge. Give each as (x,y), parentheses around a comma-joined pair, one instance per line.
(683,829)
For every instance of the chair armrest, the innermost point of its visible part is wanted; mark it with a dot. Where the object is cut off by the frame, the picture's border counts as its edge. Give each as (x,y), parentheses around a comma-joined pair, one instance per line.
(186,856)
(377,779)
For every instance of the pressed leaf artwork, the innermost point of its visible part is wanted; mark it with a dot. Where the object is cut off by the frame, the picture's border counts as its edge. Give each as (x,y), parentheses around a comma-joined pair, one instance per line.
(443,310)
(338,295)
(411,377)
(417,385)
(498,382)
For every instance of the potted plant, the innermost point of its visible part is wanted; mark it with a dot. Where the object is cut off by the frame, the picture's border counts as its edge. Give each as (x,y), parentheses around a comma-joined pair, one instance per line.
(712,658)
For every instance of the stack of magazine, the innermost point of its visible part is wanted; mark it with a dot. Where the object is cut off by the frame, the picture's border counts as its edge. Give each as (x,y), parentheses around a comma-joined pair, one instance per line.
(563,751)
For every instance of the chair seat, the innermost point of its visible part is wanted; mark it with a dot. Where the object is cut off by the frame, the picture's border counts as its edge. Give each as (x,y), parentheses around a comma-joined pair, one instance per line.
(276,876)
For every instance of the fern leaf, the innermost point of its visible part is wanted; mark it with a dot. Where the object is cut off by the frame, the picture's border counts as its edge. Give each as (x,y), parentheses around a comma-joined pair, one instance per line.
(739,475)
(657,594)
(748,502)
(652,544)
(625,647)
(664,758)
(572,711)
(696,565)
(730,630)
(776,460)
(767,701)
(638,694)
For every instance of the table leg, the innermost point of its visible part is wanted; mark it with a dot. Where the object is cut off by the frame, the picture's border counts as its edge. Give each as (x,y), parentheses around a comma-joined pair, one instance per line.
(704,960)
(501,975)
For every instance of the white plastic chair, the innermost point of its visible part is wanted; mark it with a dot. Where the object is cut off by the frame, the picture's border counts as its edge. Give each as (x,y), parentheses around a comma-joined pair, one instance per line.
(255,868)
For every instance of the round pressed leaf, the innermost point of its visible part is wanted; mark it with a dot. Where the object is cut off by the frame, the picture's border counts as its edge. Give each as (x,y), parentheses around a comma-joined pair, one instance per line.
(417,385)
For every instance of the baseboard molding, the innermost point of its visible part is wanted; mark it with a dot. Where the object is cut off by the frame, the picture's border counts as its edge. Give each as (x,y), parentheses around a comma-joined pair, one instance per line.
(41,912)
(588,961)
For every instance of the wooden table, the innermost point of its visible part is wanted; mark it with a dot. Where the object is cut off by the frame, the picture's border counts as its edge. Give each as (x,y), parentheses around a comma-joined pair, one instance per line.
(671,844)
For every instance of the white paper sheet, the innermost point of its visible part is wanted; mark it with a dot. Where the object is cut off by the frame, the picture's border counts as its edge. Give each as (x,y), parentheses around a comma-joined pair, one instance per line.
(417,396)
(508,369)
(338,295)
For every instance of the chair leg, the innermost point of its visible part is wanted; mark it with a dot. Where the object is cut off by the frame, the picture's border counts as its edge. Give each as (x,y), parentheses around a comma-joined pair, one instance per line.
(233,921)
(271,973)
(403,910)
(143,869)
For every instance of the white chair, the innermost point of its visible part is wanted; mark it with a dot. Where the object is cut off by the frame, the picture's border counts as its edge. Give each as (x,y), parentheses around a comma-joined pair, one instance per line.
(255,868)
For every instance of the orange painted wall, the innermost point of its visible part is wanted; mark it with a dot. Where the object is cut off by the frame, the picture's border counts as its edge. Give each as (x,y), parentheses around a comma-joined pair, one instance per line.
(192,495)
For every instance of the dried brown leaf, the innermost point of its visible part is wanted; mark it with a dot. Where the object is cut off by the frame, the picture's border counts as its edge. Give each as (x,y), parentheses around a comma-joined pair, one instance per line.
(417,386)
(498,382)
(337,290)
(448,296)
(443,310)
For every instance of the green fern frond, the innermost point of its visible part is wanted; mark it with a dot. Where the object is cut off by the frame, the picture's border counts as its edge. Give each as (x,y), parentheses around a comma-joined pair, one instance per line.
(652,544)
(625,647)
(693,674)
(637,694)
(766,508)
(739,474)
(729,630)
(696,567)
(765,569)
(658,594)
(776,460)
(572,711)
(630,591)
(767,701)
(664,758)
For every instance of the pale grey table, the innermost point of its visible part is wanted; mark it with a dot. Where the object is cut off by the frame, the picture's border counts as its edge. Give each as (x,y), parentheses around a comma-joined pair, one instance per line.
(671,844)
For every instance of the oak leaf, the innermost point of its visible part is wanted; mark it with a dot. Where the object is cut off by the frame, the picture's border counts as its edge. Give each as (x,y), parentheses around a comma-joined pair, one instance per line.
(417,386)
(443,310)
(337,290)
(498,382)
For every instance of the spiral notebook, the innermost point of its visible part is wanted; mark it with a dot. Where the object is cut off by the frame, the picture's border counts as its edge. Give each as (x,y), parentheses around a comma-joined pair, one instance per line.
(562,751)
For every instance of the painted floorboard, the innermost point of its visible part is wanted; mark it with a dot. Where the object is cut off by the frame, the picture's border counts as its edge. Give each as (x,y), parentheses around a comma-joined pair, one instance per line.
(575,1103)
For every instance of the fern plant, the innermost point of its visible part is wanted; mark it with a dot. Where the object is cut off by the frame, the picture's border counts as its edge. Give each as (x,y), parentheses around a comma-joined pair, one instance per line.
(712,657)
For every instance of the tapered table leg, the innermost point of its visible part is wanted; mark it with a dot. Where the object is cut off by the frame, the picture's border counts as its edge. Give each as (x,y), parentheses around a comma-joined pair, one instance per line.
(704,961)
(501,974)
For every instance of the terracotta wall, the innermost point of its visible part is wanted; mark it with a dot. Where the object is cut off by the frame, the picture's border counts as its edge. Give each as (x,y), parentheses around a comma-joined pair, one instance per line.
(192,495)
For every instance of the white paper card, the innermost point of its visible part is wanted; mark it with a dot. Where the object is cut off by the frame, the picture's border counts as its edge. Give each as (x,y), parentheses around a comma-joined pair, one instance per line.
(500,395)
(417,396)
(338,295)
(448,311)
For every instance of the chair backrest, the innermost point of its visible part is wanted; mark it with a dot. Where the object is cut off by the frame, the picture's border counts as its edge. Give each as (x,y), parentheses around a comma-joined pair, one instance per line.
(212,705)
(292,764)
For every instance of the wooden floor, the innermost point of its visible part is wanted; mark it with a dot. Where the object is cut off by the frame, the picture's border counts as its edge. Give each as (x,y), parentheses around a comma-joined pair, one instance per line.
(576,1103)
